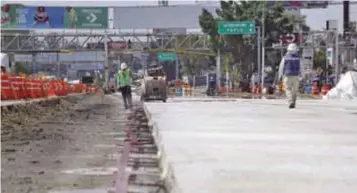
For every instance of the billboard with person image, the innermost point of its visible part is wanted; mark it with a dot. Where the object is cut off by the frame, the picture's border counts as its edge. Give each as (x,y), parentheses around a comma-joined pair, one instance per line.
(41,17)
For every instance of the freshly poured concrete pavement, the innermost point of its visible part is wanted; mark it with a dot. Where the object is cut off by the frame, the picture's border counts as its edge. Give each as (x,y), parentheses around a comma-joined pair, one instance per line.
(259,146)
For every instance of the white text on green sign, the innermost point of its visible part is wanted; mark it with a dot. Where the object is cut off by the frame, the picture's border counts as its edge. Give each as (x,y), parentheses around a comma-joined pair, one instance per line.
(236,27)
(166,56)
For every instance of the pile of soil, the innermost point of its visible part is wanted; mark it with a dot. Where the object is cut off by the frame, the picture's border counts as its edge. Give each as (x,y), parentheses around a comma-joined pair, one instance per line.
(40,140)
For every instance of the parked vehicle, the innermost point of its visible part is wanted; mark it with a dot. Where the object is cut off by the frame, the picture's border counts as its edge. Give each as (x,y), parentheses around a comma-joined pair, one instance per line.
(154,86)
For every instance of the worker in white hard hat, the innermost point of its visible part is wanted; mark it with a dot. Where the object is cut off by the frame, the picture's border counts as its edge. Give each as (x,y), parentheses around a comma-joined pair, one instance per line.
(124,84)
(289,71)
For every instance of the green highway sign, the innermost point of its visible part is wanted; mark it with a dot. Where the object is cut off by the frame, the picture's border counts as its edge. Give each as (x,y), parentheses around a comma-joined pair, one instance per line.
(236,28)
(91,18)
(166,56)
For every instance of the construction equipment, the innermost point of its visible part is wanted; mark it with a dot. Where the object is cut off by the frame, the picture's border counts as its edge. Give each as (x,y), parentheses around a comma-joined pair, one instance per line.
(86,77)
(153,85)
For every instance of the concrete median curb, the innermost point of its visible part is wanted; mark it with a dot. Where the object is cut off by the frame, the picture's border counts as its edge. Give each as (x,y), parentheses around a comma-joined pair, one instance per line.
(167,172)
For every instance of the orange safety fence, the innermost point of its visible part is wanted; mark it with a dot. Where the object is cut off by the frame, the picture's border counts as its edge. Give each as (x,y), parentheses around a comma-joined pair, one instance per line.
(20,87)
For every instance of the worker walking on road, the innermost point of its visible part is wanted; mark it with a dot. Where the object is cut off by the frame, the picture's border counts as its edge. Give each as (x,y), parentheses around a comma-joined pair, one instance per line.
(124,84)
(289,70)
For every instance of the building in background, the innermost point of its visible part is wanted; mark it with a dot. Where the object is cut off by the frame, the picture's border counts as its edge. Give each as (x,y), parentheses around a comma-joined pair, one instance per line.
(163,3)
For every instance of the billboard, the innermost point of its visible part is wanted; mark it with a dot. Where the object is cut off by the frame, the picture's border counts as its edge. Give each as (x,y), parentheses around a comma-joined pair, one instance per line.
(174,17)
(23,17)
(300,4)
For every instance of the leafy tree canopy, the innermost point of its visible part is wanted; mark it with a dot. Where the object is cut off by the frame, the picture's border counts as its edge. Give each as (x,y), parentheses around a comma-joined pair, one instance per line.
(243,48)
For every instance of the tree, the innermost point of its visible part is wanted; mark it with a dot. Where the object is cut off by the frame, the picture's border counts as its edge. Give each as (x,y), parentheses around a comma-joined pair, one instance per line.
(193,65)
(20,67)
(243,48)
(319,59)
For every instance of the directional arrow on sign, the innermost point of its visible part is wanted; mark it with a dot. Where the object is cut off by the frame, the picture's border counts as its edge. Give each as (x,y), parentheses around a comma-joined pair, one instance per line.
(91,17)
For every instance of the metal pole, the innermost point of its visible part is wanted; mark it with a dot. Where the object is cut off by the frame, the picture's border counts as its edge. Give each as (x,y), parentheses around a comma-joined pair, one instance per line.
(106,60)
(33,63)
(177,68)
(263,47)
(337,63)
(193,84)
(207,80)
(259,55)
(218,67)
(58,64)
(227,82)
(326,65)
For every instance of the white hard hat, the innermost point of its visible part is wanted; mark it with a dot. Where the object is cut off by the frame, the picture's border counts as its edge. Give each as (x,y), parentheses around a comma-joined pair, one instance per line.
(292,47)
(123,66)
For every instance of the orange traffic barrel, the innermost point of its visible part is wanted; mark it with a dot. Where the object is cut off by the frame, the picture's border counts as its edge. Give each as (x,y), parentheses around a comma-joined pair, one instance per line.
(51,90)
(30,88)
(18,87)
(315,89)
(325,89)
(39,90)
(6,90)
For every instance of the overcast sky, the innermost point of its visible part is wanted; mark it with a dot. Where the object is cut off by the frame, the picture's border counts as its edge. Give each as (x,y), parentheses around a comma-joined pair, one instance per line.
(316,18)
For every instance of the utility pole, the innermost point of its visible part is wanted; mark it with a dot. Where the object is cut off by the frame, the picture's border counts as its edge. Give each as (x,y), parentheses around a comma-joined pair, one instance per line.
(259,59)
(263,46)
(346,17)
(218,67)
(337,62)
(106,57)
(58,65)
(177,68)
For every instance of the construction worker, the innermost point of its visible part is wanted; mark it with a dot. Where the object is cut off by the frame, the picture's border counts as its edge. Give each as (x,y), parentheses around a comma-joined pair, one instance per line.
(124,84)
(289,71)
(211,90)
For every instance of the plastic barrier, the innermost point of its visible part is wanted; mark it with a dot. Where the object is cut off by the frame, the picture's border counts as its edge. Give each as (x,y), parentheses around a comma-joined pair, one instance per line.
(183,90)
(308,89)
(187,91)
(179,91)
(20,88)
(315,89)
(325,89)
(17,87)
(6,91)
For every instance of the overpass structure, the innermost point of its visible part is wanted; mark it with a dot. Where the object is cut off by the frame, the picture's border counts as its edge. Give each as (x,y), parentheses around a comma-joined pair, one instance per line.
(39,42)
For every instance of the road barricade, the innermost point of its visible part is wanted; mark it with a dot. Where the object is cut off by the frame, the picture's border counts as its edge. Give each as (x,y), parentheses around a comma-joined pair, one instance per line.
(21,87)
(325,89)
(18,87)
(184,90)
(6,90)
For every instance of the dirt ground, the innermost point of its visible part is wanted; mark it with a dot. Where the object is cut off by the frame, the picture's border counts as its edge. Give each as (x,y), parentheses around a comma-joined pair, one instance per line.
(40,142)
